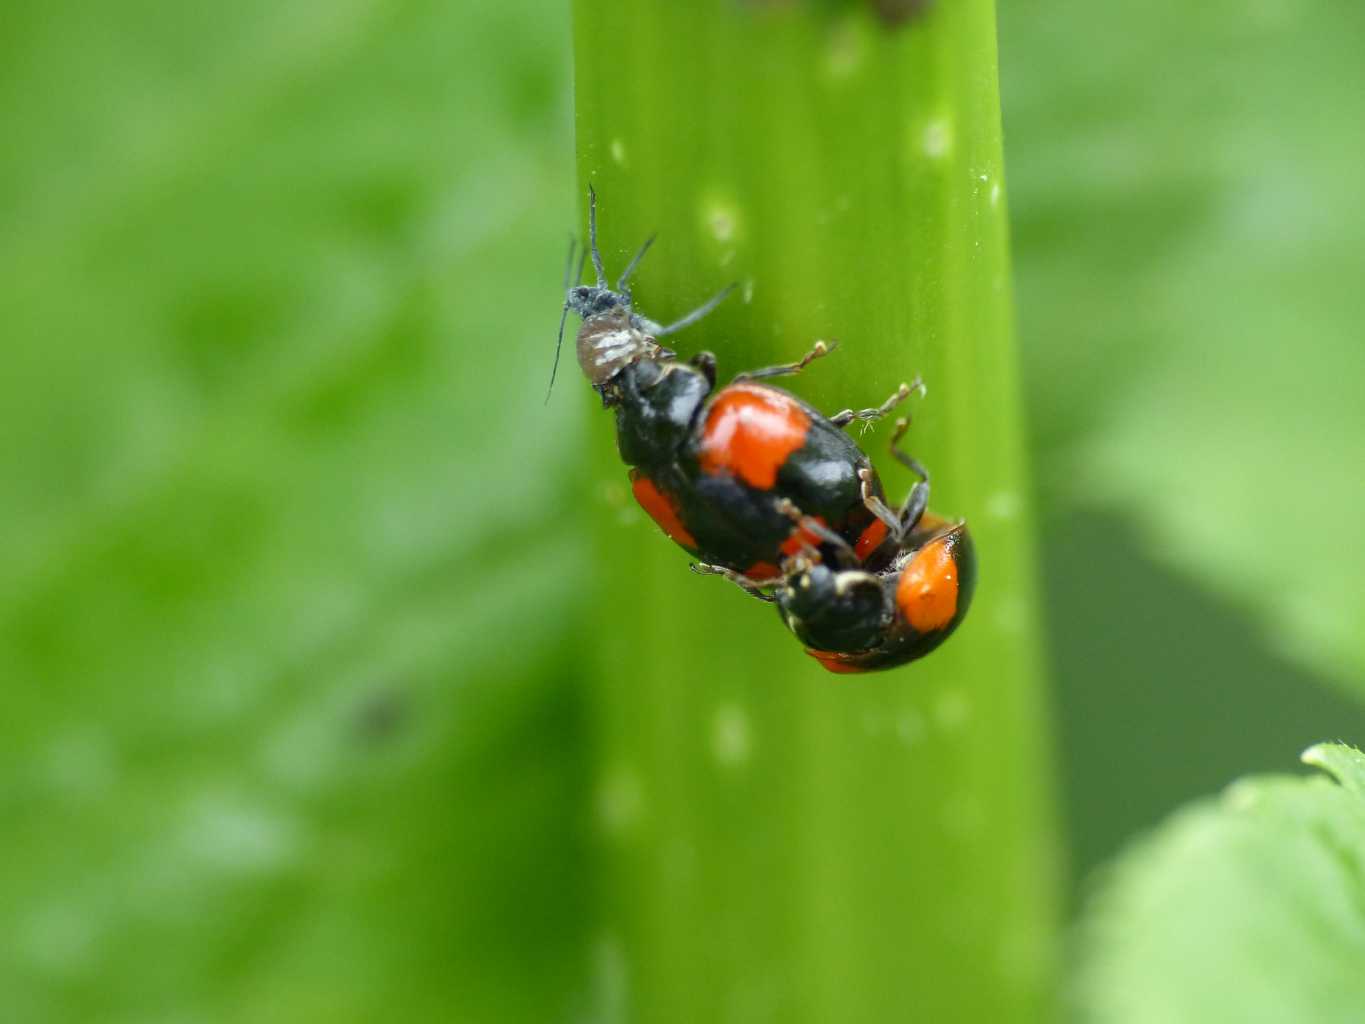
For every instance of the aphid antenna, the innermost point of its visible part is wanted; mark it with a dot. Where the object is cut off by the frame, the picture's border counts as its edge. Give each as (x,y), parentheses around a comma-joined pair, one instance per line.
(623,284)
(592,238)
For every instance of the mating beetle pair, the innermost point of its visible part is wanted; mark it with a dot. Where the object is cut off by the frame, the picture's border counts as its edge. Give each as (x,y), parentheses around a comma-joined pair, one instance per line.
(767,491)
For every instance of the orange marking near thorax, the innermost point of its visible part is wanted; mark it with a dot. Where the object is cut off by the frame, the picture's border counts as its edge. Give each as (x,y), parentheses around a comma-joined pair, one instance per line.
(927,592)
(660,509)
(870,539)
(750,431)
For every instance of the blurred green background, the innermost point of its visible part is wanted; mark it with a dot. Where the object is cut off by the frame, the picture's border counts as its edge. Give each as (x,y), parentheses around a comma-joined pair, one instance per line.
(277,289)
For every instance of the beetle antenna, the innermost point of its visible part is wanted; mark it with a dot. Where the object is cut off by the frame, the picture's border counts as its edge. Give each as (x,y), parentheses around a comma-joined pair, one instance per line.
(558,345)
(592,238)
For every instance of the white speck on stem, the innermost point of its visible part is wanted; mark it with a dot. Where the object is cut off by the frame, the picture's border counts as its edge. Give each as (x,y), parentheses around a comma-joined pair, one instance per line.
(937,138)
(620,800)
(952,711)
(995,194)
(731,737)
(1003,505)
(611,980)
(721,219)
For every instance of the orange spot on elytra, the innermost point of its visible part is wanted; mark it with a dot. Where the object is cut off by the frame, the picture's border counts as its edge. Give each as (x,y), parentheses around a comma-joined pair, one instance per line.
(750,431)
(660,509)
(870,539)
(927,592)
(834,663)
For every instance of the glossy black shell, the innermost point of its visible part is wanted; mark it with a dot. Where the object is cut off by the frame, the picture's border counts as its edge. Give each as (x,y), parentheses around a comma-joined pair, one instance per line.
(661,407)
(850,621)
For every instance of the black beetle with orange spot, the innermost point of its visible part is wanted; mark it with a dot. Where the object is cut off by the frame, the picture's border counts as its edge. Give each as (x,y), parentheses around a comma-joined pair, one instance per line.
(852,620)
(718,469)
(857,615)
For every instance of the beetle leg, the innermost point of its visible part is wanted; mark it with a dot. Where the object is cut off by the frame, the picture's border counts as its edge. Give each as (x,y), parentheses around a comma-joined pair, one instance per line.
(809,524)
(918,498)
(847,416)
(751,587)
(818,350)
(877,507)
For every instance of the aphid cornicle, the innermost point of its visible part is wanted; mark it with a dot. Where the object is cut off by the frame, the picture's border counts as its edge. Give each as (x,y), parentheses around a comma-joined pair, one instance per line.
(714,466)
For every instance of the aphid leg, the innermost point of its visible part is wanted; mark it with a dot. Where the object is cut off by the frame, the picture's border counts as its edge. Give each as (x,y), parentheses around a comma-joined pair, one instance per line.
(558,345)
(811,525)
(592,238)
(818,351)
(696,314)
(623,285)
(847,416)
(918,498)
(877,507)
(750,587)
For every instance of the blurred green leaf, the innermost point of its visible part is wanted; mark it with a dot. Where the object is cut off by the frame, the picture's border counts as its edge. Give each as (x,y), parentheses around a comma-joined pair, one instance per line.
(1188,231)
(1248,908)
(278,286)
(1346,764)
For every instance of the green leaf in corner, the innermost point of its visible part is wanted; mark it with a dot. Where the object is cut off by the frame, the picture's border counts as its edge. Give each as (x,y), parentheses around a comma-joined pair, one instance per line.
(1346,764)
(1246,908)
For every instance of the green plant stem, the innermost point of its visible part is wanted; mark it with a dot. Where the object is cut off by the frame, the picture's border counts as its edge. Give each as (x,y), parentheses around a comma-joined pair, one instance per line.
(778,843)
